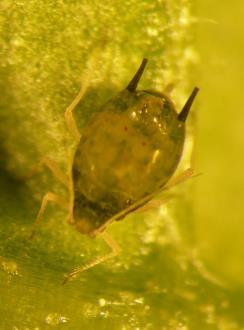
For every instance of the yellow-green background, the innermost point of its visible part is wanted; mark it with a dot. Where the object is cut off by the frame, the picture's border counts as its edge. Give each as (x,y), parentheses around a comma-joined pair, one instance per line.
(181,266)
(220,139)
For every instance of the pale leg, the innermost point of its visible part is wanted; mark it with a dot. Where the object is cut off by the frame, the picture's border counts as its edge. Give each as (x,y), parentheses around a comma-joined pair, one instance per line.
(115,251)
(168,89)
(49,197)
(87,77)
(68,115)
(187,174)
(154,204)
(53,167)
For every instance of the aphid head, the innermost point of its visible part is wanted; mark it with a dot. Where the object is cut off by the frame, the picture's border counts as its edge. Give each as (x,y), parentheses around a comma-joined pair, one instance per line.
(84,227)
(90,215)
(84,220)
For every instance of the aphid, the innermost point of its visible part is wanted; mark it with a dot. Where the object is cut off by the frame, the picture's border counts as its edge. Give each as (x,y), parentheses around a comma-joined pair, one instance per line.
(125,156)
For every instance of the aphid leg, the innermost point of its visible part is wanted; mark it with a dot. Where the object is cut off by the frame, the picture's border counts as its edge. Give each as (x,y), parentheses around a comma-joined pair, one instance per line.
(168,89)
(187,174)
(49,197)
(53,167)
(154,204)
(88,75)
(68,115)
(70,219)
(115,251)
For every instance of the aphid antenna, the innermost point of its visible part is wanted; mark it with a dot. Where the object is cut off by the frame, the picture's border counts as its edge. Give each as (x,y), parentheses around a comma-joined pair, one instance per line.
(135,80)
(184,112)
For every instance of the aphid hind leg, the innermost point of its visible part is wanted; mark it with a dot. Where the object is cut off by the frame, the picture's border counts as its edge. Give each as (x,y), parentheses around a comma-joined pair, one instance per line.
(68,115)
(115,249)
(49,197)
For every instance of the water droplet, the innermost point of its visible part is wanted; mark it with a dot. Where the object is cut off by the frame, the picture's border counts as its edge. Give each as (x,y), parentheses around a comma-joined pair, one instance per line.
(10,267)
(104,314)
(139,300)
(55,319)
(102,302)
(90,310)
(152,32)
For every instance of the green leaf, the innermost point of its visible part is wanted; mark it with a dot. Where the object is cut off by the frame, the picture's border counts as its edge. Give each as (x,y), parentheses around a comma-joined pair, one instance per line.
(48,50)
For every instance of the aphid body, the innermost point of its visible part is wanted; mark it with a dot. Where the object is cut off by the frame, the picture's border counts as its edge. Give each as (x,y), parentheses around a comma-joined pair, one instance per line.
(126,154)
(129,149)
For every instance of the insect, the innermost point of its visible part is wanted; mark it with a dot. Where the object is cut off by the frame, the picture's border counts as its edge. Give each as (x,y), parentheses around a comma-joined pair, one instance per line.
(125,156)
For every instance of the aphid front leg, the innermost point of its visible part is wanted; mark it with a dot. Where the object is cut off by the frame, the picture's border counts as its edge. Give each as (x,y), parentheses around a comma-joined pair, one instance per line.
(154,204)
(187,174)
(68,115)
(53,167)
(49,197)
(169,89)
(115,251)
